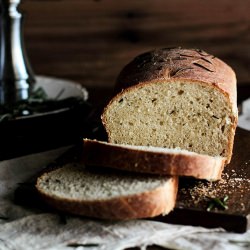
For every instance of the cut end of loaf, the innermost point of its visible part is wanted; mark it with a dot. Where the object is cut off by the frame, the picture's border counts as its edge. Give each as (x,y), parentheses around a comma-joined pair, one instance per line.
(175,113)
(76,190)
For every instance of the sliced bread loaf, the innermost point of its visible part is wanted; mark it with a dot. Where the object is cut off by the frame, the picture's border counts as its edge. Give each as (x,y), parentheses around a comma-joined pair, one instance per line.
(172,98)
(76,190)
(152,160)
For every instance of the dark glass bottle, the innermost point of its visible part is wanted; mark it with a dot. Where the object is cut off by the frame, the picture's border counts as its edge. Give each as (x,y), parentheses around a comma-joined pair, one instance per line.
(16,76)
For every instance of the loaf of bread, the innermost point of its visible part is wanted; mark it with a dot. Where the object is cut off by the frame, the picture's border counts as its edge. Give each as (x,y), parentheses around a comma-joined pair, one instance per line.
(107,195)
(174,114)
(172,98)
(152,160)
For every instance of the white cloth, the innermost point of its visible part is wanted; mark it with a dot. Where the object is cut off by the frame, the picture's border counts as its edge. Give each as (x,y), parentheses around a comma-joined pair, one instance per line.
(244,118)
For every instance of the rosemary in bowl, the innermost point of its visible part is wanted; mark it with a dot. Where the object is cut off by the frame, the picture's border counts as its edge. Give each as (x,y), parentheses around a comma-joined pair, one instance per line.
(38,103)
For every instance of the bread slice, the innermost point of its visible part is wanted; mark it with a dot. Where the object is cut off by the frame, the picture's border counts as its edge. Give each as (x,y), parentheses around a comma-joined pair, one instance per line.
(172,98)
(152,160)
(74,189)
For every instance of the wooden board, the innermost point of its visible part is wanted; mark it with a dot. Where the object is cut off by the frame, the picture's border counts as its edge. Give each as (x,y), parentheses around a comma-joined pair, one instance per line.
(192,197)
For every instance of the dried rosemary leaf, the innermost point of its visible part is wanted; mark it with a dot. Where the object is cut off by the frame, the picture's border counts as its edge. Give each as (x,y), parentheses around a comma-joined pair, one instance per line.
(242,243)
(82,245)
(217,203)
(202,66)
(2,217)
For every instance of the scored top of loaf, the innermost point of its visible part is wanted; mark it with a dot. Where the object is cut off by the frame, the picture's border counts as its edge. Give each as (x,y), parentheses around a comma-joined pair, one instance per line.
(178,63)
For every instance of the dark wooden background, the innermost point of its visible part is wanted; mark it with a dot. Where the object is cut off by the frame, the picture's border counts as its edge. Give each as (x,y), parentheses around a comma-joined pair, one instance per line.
(90,41)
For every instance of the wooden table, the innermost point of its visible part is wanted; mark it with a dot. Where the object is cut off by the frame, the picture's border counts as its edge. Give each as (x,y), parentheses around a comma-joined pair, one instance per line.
(90,41)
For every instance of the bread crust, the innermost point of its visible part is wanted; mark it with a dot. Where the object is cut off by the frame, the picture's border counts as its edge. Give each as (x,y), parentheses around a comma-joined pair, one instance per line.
(103,154)
(160,200)
(178,64)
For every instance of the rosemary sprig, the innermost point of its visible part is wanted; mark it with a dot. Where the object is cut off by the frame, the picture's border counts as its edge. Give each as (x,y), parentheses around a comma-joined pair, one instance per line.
(243,243)
(82,245)
(37,103)
(217,203)
(38,94)
(2,217)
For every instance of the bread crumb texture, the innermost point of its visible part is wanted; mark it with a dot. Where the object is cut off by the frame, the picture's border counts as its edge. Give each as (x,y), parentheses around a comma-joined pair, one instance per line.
(189,115)
(76,183)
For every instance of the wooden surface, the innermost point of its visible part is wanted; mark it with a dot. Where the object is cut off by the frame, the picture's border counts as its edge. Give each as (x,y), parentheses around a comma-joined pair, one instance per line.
(193,195)
(90,41)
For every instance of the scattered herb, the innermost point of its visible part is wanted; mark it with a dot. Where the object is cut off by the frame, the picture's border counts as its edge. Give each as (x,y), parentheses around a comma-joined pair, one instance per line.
(5,117)
(240,242)
(162,60)
(82,245)
(2,217)
(59,94)
(185,55)
(38,94)
(201,52)
(217,203)
(179,58)
(175,72)
(206,60)
(39,103)
(214,116)
(202,66)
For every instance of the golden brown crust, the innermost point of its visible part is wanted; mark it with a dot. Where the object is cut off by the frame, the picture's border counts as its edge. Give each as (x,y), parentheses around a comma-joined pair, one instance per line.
(176,64)
(144,205)
(125,158)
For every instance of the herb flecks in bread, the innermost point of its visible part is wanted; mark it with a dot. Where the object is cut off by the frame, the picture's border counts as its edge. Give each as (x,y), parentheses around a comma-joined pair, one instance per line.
(175,98)
(74,189)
